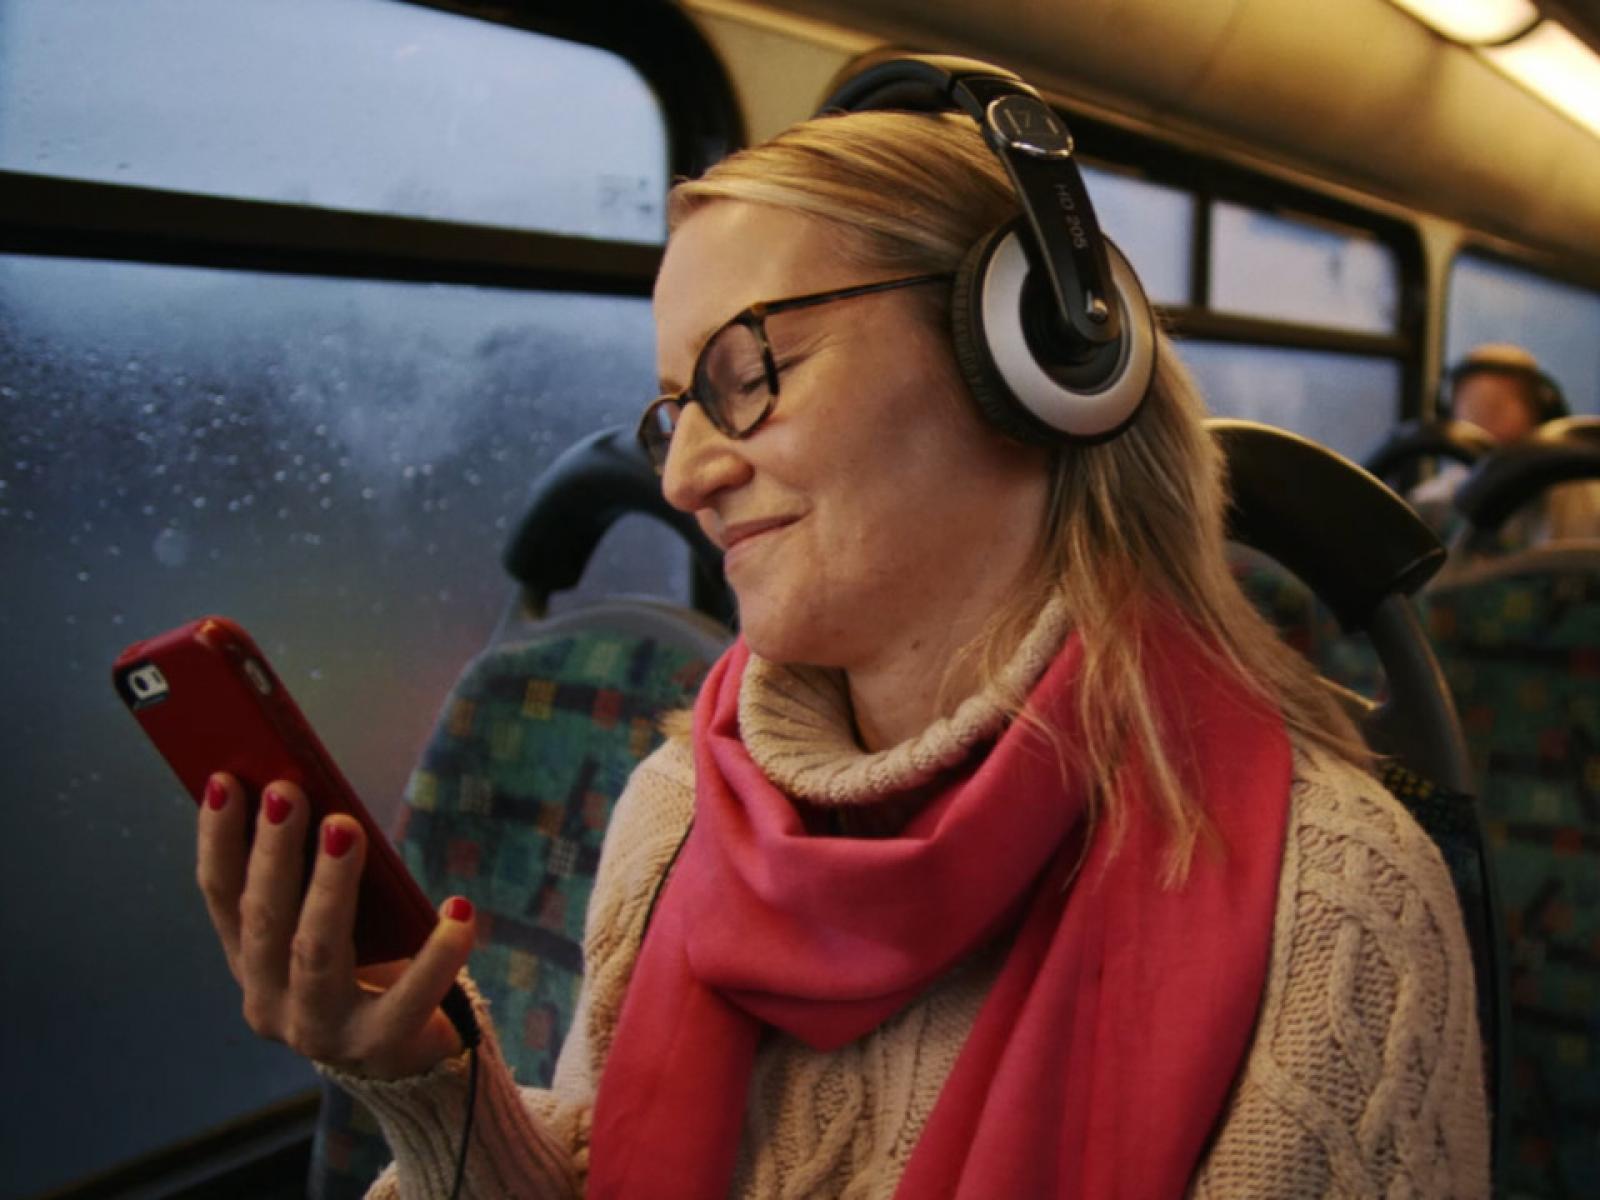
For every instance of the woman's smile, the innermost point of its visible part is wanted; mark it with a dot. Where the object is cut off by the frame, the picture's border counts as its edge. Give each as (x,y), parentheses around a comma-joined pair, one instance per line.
(737,540)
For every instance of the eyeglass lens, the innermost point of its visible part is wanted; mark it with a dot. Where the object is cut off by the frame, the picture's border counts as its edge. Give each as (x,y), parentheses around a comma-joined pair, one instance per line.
(732,383)
(732,380)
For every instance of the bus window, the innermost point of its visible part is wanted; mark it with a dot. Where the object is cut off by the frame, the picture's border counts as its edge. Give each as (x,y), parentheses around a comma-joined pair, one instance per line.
(1282,319)
(1286,269)
(1559,323)
(348,104)
(1344,401)
(1152,224)
(1331,288)
(334,460)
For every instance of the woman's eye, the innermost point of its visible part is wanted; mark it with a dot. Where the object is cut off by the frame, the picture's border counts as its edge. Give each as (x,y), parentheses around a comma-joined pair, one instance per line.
(755,380)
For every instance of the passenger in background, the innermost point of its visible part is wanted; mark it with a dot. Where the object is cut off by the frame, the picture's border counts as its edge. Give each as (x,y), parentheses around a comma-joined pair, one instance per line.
(1011,853)
(1502,390)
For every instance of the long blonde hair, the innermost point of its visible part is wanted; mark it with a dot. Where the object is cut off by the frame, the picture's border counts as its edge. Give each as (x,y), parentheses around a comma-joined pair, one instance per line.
(1135,525)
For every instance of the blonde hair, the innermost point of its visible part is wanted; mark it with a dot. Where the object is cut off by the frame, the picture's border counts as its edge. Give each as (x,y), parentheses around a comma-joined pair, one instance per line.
(1135,525)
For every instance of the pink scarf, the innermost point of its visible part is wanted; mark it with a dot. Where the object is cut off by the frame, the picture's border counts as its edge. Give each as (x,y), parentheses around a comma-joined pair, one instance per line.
(1100,1061)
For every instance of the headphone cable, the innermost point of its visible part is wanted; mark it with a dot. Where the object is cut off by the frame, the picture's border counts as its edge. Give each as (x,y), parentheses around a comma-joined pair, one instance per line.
(458,1008)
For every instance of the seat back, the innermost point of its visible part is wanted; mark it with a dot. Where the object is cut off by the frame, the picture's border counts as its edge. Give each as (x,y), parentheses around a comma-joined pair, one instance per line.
(1519,639)
(575,501)
(1583,428)
(1395,459)
(509,803)
(1360,552)
(1543,489)
(1307,624)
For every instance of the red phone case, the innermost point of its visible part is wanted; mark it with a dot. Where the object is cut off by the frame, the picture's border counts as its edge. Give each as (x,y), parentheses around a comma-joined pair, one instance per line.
(209,700)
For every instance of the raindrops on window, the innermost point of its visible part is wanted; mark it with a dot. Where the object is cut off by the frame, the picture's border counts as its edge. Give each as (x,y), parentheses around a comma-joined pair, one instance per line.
(334,463)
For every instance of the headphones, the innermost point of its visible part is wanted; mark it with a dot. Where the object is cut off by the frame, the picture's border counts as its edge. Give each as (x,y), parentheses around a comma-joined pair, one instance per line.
(1549,404)
(1051,327)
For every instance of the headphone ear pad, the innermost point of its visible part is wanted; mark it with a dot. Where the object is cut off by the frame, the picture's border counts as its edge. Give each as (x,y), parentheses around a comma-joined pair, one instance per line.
(989,391)
(1552,403)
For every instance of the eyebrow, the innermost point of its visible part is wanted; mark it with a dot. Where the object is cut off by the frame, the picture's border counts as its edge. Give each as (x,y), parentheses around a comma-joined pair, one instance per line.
(671,387)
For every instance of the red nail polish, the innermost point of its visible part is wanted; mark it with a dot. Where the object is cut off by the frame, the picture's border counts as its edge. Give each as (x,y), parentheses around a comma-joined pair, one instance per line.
(458,908)
(216,795)
(277,805)
(337,840)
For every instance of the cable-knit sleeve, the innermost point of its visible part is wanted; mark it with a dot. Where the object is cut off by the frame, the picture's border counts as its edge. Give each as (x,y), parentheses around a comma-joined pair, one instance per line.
(1365,1077)
(533,1143)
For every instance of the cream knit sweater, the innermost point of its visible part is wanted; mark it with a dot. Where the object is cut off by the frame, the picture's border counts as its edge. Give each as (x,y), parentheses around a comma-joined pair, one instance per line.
(1364,1077)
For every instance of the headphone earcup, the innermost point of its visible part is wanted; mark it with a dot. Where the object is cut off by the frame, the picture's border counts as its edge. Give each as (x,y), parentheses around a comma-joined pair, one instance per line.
(1551,400)
(989,391)
(1001,330)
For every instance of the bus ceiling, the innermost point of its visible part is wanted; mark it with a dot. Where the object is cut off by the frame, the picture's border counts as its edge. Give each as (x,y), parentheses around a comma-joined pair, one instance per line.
(1359,94)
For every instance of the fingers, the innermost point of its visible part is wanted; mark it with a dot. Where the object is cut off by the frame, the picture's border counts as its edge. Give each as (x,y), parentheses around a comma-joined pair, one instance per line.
(270,905)
(409,1008)
(220,859)
(321,984)
(294,955)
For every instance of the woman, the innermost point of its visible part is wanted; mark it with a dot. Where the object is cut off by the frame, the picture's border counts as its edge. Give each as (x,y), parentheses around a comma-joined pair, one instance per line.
(1025,860)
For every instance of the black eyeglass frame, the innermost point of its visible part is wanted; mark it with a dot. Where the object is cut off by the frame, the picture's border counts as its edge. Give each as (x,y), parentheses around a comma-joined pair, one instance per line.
(754,319)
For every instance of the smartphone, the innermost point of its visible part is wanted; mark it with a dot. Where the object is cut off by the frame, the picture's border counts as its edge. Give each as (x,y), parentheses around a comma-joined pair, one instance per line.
(209,700)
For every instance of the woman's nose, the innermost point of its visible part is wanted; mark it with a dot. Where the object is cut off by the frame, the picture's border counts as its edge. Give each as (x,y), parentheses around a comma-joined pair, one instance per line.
(701,461)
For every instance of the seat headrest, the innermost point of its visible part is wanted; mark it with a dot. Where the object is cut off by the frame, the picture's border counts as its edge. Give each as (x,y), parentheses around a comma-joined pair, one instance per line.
(1352,540)
(1570,429)
(579,497)
(1513,475)
(1458,441)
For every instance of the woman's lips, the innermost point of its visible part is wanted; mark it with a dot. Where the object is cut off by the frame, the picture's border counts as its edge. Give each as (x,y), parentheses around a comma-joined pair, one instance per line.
(748,531)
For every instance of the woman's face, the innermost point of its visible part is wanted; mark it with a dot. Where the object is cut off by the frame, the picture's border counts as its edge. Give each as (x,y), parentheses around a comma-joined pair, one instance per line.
(872,514)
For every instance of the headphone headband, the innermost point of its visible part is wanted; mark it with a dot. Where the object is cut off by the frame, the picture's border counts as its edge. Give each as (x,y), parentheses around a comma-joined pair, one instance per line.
(1035,148)
(1049,324)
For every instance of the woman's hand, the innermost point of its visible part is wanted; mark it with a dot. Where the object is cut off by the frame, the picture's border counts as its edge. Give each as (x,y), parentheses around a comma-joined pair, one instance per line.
(295,960)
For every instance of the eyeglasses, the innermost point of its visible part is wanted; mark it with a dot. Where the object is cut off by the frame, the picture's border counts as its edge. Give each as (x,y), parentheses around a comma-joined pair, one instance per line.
(735,377)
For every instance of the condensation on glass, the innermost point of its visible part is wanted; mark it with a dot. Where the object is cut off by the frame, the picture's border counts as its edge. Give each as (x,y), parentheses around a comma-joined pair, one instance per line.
(1346,402)
(334,463)
(1559,323)
(364,105)
(1288,269)
(1152,224)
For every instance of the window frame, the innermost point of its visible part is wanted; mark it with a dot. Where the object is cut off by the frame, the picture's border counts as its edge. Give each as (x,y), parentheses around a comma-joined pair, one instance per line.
(51,215)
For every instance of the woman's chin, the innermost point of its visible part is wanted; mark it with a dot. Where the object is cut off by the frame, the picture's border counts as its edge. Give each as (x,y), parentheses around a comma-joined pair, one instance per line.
(780,638)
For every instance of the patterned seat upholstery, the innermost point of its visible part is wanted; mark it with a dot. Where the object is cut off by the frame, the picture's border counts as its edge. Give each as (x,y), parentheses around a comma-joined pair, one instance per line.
(1307,624)
(1520,644)
(508,807)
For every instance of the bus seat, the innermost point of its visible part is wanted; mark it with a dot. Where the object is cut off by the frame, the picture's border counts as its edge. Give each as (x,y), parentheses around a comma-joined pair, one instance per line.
(1519,639)
(1294,609)
(1306,623)
(1362,552)
(1543,489)
(1581,428)
(1453,447)
(509,802)
(1411,442)
(574,502)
